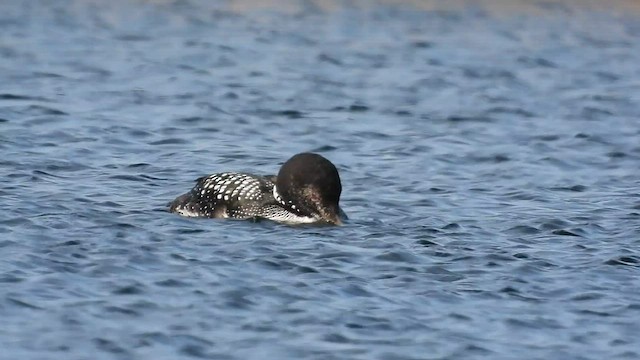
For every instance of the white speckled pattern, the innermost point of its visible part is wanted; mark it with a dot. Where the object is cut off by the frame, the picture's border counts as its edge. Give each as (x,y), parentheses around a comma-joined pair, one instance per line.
(239,196)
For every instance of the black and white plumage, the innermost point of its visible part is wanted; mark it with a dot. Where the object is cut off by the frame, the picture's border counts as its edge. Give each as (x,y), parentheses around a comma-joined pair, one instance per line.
(306,190)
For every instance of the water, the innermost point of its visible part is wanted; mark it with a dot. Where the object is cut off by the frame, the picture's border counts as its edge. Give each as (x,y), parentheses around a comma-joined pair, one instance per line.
(489,155)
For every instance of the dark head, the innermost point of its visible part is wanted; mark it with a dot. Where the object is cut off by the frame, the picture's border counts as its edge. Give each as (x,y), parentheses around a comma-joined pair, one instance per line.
(310,185)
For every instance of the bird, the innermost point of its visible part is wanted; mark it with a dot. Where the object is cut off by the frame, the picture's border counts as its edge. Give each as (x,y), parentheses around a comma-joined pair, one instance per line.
(306,190)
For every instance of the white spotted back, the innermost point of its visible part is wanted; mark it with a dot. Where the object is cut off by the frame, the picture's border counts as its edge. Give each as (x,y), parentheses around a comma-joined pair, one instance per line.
(226,195)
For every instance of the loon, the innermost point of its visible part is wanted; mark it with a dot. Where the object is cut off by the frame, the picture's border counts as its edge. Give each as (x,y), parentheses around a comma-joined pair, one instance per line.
(306,190)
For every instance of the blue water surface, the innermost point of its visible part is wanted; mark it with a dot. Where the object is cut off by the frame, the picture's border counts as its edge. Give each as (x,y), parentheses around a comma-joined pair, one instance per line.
(489,157)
